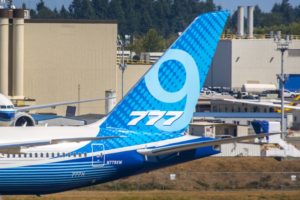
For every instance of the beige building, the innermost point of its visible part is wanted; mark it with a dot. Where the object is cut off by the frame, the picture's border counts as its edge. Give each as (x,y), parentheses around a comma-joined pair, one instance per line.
(61,60)
(57,60)
(132,75)
(70,60)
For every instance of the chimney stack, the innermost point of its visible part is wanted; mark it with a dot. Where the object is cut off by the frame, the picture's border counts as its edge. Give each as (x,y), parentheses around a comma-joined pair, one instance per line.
(250,21)
(18,53)
(240,22)
(4,48)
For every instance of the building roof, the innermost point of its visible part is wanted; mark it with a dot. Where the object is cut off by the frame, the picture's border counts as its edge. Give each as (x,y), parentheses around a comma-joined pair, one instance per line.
(237,115)
(71,21)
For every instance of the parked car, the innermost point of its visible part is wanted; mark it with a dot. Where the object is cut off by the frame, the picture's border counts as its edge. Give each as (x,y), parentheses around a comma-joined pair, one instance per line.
(289,94)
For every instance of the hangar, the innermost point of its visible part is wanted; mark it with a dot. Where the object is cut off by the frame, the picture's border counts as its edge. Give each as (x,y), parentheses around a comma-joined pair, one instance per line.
(249,58)
(57,60)
(239,61)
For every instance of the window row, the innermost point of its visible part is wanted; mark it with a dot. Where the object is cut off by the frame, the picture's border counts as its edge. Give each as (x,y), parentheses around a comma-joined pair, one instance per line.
(44,155)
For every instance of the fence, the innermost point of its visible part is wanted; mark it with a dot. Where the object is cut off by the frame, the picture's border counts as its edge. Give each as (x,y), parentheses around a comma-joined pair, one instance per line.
(189,181)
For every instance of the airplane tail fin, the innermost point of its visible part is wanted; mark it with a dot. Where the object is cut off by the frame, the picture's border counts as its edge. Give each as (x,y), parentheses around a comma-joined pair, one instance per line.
(164,99)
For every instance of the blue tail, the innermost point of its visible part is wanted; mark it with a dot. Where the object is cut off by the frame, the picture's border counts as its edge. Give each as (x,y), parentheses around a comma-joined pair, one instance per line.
(164,99)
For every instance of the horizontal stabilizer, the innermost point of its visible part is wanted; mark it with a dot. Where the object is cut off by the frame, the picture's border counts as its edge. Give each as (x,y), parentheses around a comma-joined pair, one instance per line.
(52,141)
(53,105)
(184,147)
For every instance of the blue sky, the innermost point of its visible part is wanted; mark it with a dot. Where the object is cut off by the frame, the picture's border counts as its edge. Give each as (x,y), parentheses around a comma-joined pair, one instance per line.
(231,5)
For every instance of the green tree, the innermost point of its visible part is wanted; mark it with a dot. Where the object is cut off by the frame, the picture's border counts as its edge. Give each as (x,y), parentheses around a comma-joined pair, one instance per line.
(284,11)
(101,8)
(43,12)
(116,12)
(153,42)
(132,16)
(24,6)
(63,13)
(82,9)
(137,45)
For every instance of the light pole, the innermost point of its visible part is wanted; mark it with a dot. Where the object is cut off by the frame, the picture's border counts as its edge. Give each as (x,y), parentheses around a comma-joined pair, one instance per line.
(122,65)
(282,46)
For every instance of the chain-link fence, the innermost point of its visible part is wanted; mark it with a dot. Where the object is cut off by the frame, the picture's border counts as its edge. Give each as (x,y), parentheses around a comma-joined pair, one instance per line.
(205,181)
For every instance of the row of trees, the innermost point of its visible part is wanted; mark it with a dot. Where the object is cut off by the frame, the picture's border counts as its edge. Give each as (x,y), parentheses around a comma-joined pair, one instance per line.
(135,17)
(166,18)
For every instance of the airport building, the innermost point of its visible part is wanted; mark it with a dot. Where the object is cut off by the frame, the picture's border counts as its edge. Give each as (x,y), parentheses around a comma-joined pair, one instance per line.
(241,61)
(70,60)
(248,58)
(57,60)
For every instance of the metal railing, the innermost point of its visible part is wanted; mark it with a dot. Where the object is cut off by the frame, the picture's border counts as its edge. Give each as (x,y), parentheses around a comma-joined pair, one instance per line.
(256,36)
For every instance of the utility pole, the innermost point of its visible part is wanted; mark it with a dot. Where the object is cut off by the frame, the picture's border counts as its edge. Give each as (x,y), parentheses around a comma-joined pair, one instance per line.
(122,65)
(282,46)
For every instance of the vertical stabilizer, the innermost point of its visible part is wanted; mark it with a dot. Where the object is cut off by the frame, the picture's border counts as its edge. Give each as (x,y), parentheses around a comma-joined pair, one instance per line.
(164,99)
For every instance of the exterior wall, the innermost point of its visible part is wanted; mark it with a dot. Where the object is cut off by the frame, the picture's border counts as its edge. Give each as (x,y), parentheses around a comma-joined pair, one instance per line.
(220,72)
(208,130)
(239,149)
(223,106)
(296,115)
(258,61)
(132,74)
(213,130)
(61,57)
(224,129)
(240,61)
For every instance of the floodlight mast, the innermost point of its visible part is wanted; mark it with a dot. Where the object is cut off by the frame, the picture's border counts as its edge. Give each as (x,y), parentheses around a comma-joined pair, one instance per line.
(122,65)
(282,46)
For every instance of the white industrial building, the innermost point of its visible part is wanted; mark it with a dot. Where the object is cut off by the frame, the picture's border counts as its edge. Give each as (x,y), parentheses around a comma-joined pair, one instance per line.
(248,58)
(240,61)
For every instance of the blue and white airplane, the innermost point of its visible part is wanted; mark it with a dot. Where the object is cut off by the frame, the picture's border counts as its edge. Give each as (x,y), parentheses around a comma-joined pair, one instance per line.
(18,116)
(145,131)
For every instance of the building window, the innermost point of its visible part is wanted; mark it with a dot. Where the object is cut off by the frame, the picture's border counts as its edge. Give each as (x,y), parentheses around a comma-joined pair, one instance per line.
(226,131)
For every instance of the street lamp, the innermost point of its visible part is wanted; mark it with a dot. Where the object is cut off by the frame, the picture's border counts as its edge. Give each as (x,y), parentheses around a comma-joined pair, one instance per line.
(122,65)
(282,46)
